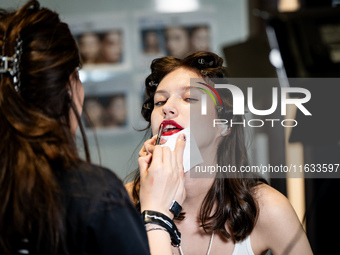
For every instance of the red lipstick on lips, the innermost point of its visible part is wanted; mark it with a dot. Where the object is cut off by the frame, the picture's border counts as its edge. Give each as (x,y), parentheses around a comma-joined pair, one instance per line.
(170,127)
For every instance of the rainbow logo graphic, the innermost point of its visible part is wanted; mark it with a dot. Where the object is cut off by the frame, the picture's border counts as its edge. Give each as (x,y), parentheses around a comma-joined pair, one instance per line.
(204,98)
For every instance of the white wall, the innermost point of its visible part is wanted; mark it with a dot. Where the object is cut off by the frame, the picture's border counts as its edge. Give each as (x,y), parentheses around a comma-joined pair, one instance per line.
(230,21)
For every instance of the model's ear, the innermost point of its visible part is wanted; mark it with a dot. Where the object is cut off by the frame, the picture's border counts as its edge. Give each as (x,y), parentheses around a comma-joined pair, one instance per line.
(225,130)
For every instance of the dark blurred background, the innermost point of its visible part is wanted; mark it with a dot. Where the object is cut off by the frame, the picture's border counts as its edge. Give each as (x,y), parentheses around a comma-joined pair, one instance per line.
(307,35)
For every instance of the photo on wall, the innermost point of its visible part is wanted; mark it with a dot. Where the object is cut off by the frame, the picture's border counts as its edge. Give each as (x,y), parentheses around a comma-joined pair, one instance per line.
(102,40)
(174,35)
(104,47)
(105,111)
(108,105)
(176,41)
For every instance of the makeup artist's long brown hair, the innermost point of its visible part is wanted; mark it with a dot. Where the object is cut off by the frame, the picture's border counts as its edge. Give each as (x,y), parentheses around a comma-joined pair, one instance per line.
(236,206)
(35,134)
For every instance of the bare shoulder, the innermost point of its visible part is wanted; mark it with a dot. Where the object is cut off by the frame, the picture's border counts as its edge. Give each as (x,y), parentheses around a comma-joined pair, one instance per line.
(272,203)
(274,207)
(278,227)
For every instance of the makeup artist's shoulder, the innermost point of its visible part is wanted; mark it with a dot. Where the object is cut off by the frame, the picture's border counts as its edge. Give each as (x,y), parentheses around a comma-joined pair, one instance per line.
(129,188)
(276,213)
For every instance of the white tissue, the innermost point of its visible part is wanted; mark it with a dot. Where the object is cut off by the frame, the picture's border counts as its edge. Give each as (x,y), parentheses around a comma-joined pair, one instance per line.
(191,155)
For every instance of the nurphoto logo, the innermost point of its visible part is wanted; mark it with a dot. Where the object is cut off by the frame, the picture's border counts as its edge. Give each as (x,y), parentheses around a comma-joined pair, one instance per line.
(239,103)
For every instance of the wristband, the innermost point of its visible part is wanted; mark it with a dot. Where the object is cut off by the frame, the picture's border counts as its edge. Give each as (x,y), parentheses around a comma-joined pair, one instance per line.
(165,222)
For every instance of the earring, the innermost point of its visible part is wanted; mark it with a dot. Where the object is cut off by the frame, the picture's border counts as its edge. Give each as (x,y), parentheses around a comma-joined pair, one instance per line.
(225,130)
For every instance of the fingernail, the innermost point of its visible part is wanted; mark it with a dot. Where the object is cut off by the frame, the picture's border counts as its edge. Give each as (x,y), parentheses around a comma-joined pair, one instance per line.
(182,136)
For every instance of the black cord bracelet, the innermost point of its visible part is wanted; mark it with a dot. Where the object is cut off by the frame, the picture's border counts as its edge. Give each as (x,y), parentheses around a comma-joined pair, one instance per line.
(165,222)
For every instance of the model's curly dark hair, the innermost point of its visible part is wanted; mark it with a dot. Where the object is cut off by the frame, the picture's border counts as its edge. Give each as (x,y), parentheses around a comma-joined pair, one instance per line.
(237,207)
(205,64)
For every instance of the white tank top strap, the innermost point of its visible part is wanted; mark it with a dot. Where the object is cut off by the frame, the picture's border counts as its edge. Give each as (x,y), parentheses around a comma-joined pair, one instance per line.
(243,247)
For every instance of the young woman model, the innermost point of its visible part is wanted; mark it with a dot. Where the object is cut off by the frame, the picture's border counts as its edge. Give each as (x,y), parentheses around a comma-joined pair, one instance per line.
(52,201)
(233,215)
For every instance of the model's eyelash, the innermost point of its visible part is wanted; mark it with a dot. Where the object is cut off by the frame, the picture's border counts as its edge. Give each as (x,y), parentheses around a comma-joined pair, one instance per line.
(190,99)
(159,103)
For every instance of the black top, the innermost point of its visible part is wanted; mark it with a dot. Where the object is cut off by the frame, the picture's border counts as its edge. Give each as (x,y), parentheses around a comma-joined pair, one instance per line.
(99,216)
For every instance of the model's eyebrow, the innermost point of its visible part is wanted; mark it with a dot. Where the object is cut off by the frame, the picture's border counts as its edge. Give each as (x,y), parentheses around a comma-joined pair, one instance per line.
(183,89)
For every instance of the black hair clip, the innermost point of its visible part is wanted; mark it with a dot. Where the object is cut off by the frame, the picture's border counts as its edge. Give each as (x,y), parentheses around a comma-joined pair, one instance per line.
(147,106)
(152,84)
(219,108)
(201,61)
(204,63)
(204,73)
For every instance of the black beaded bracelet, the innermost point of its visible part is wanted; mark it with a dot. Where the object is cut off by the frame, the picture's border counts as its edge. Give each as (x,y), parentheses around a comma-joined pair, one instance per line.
(165,222)
(175,208)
